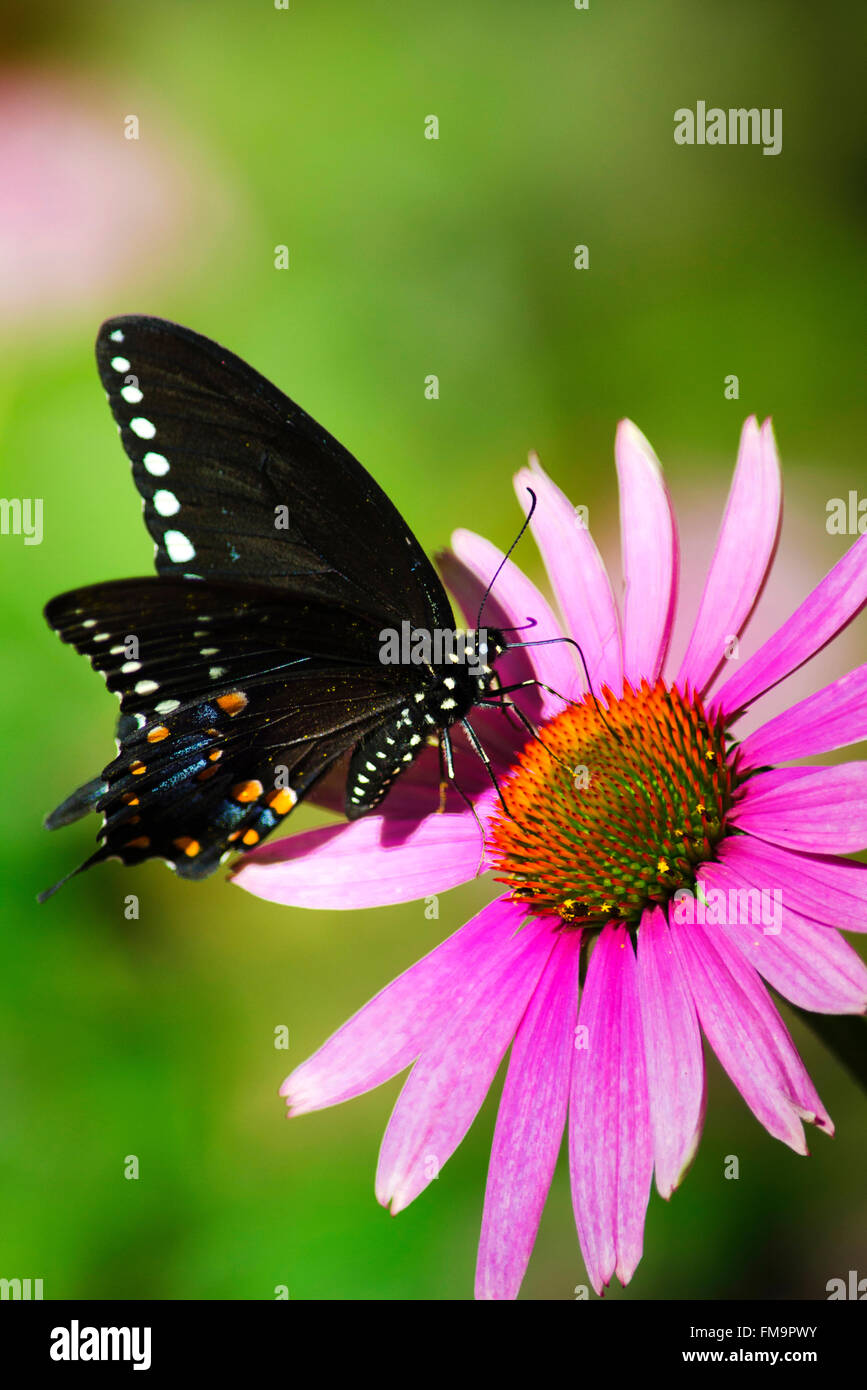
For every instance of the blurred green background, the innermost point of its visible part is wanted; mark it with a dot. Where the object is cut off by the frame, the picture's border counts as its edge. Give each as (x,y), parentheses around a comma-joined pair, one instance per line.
(305,128)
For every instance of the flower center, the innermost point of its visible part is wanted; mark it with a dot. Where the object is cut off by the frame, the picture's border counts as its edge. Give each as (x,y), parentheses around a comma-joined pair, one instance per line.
(613,815)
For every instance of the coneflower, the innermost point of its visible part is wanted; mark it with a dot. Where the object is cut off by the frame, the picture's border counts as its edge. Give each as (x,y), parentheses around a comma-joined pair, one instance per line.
(655,869)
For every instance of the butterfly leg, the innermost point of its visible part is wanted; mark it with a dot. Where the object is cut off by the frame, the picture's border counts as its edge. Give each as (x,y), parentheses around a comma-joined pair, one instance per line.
(476,745)
(506,706)
(447,768)
(447,754)
(522,685)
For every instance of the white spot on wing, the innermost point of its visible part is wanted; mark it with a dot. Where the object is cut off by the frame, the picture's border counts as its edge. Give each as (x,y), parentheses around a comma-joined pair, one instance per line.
(116,336)
(146,687)
(142,427)
(131,394)
(167,706)
(165,502)
(157,464)
(178,547)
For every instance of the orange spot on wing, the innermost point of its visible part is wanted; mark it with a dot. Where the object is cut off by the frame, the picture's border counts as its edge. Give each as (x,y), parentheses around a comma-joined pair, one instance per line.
(190,847)
(251,837)
(137,769)
(281,801)
(233,703)
(158,734)
(247,791)
(141,843)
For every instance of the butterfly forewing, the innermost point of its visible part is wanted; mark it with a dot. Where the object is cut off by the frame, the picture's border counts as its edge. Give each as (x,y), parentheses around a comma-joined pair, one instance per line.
(241,484)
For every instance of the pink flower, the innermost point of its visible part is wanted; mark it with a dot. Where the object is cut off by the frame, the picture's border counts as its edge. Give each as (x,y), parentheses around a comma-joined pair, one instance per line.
(686,866)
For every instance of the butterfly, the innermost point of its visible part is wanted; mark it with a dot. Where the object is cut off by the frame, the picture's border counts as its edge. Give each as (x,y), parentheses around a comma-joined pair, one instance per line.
(253,661)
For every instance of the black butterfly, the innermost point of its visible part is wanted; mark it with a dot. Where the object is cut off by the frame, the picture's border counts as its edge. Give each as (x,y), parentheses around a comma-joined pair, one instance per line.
(253,662)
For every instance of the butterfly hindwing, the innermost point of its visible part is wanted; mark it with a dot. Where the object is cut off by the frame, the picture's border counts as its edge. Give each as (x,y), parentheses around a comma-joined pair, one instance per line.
(211,757)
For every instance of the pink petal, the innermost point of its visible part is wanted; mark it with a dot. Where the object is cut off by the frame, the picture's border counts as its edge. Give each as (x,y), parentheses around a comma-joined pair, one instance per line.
(672,1050)
(830,607)
(808,963)
(390,1031)
(821,809)
(832,718)
(610,1142)
(577,576)
(530,1124)
(514,600)
(747,1034)
(442,1096)
(744,550)
(649,544)
(827,889)
(368,863)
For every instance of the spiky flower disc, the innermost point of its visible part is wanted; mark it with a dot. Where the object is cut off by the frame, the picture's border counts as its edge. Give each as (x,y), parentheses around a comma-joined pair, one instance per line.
(617,808)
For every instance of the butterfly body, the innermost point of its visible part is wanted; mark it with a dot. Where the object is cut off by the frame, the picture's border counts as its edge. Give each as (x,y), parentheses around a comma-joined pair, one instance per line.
(443,698)
(253,662)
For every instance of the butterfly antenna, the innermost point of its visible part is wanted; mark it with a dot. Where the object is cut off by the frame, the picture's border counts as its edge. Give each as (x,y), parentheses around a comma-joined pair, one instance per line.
(525,627)
(486,595)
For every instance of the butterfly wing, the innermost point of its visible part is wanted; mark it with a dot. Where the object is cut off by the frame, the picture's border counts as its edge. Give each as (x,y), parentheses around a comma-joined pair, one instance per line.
(240,484)
(234,702)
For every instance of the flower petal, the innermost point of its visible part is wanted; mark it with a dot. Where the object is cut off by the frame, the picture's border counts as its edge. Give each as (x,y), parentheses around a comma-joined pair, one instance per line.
(610,1142)
(578,577)
(513,600)
(744,550)
(447,1085)
(672,1050)
(747,1034)
(832,718)
(530,1123)
(833,603)
(390,1031)
(820,809)
(808,963)
(649,545)
(368,863)
(825,888)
